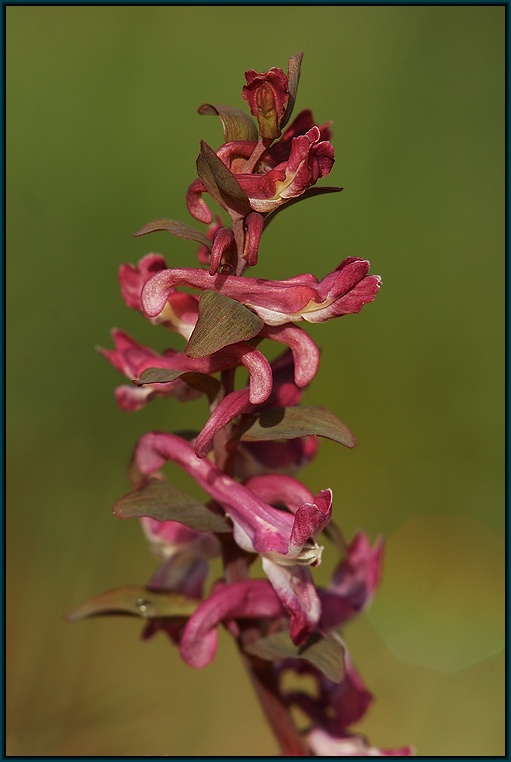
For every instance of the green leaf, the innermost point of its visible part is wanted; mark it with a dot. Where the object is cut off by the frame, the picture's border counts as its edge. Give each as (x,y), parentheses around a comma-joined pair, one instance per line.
(157,376)
(222,321)
(237,125)
(220,182)
(293,422)
(136,600)
(176,228)
(200,381)
(325,652)
(308,194)
(161,501)
(293,76)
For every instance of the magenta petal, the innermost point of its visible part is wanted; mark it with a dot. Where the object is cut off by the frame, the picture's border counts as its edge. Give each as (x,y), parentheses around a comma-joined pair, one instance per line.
(353,584)
(311,519)
(261,378)
(195,203)
(305,352)
(258,527)
(223,240)
(296,590)
(226,411)
(254,224)
(248,599)
(279,488)
(132,278)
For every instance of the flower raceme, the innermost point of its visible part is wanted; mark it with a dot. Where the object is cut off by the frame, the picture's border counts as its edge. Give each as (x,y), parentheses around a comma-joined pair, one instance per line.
(256,437)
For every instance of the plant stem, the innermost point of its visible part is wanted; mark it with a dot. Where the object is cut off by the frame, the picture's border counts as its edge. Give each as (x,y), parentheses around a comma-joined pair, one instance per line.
(267,691)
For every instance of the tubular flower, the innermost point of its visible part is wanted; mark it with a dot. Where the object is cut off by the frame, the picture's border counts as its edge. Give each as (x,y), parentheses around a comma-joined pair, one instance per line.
(287,543)
(303,297)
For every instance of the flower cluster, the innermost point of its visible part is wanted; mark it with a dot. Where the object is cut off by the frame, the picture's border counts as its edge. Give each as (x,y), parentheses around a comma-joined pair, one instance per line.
(255,439)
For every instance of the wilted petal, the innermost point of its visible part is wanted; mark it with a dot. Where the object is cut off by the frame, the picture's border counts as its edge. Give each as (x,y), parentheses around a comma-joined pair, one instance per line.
(248,599)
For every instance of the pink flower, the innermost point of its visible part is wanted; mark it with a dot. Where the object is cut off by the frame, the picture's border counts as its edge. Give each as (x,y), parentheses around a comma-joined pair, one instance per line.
(286,541)
(353,583)
(303,297)
(310,158)
(132,359)
(267,95)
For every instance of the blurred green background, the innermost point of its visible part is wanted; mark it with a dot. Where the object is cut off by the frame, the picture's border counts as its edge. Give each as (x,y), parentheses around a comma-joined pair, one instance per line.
(102,137)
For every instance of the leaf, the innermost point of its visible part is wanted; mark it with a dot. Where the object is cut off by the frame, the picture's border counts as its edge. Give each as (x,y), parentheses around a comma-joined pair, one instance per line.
(157,376)
(237,125)
(200,381)
(293,76)
(222,321)
(136,600)
(325,652)
(293,422)
(308,194)
(159,500)
(176,228)
(220,182)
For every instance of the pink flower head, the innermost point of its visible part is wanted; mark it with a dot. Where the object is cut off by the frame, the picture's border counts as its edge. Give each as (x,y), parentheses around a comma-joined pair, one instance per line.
(303,297)
(267,95)
(310,158)
(286,541)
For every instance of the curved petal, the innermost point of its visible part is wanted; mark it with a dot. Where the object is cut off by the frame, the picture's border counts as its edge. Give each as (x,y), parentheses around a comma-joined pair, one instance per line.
(304,349)
(248,599)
